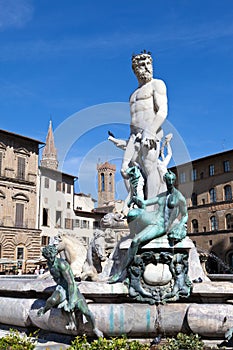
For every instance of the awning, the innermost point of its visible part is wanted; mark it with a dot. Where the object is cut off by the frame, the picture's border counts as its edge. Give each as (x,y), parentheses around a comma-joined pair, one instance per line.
(7,261)
(35,261)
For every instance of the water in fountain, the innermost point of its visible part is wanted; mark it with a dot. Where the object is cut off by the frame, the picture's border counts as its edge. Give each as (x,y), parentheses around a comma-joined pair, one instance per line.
(226,267)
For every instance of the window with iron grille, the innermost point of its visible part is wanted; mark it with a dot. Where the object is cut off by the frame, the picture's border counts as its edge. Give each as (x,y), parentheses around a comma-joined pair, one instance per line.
(20,253)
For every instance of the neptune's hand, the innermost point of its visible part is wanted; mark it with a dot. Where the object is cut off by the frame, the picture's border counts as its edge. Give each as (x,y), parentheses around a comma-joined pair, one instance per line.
(140,202)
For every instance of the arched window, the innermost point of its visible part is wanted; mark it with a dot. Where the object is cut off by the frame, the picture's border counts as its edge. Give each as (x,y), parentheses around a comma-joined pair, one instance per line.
(229,221)
(102,182)
(110,182)
(213,223)
(227,193)
(194,226)
(20,206)
(212,193)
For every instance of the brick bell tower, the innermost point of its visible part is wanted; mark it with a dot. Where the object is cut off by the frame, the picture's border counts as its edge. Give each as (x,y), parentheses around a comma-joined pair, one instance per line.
(106,183)
(49,155)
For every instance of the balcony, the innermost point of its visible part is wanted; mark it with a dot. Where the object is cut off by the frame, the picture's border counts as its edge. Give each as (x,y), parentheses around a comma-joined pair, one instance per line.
(8,221)
(9,176)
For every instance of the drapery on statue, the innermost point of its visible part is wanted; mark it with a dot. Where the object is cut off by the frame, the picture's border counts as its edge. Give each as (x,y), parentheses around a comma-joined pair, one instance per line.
(66,295)
(148,109)
(170,218)
(135,178)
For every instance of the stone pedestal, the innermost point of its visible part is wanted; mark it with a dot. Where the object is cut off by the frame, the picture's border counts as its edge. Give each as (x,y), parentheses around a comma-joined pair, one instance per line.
(208,311)
(163,272)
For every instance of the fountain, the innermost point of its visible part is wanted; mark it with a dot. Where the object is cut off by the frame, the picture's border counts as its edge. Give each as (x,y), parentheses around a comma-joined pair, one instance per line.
(153,283)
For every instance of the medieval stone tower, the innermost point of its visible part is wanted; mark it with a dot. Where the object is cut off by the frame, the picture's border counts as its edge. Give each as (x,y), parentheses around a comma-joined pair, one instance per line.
(49,156)
(106,183)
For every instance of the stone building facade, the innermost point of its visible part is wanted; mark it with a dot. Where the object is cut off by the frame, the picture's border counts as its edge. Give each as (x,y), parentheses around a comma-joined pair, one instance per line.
(207,184)
(19,234)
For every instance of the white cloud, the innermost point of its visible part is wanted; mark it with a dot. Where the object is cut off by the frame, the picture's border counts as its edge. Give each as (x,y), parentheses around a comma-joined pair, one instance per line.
(15,13)
(182,35)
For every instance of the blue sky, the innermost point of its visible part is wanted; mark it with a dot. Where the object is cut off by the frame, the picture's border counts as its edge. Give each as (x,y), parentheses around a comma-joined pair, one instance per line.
(59,58)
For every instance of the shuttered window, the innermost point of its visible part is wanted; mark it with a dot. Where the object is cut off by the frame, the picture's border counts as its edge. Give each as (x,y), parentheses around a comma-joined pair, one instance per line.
(21,168)
(68,224)
(19,212)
